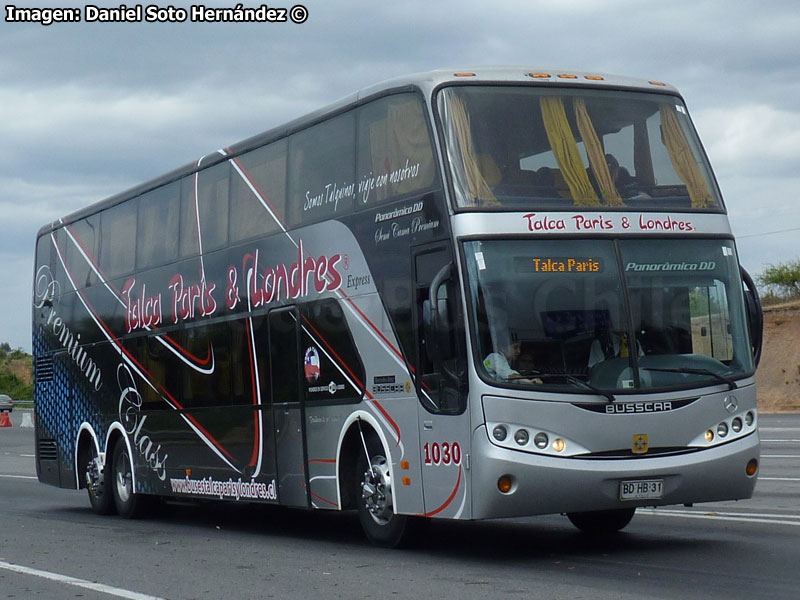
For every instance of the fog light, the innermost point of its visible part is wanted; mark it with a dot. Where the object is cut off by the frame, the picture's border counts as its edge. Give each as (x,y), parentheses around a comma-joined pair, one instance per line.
(722,430)
(500,433)
(752,467)
(521,436)
(559,445)
(736,425)
(541,440)
(749,418)
(505,483)
(709,436)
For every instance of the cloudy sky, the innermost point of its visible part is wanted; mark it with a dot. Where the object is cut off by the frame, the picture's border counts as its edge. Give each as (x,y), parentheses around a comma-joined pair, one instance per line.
(90,109)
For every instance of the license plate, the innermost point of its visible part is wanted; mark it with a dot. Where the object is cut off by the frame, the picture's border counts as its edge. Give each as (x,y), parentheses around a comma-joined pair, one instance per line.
(645,489)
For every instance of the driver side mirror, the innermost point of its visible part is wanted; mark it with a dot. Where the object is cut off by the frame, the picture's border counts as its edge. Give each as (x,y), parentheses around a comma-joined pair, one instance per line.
(755,315)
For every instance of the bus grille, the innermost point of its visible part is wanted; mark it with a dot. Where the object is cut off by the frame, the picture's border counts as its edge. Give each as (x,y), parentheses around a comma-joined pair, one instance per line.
(627,453)
(48,450)
(44,369)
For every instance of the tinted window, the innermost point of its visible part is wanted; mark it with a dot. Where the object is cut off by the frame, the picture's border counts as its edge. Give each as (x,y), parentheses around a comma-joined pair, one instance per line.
(394,149)
(332,368)
(82,248)
(322,170)
(158,227)
(118,239)
(258,192)
(212,205)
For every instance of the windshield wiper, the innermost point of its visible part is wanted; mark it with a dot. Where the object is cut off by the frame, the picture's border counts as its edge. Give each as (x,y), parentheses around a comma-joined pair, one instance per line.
(693,371)
(572,379)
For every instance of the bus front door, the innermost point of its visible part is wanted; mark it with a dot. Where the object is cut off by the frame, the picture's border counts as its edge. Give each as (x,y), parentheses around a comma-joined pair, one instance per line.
(287,407)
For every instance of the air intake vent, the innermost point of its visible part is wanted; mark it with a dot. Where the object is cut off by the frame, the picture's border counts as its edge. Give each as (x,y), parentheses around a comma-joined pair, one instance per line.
(44,369)
(48,450)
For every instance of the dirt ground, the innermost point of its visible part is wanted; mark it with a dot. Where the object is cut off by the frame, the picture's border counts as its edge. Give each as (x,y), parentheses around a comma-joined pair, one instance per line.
(778,374)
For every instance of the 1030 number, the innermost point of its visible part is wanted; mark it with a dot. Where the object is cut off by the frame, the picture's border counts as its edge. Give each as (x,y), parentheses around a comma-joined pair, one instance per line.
(446,453)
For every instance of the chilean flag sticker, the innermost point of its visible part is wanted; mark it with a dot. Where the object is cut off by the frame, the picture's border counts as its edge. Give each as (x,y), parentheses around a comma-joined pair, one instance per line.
(311,364)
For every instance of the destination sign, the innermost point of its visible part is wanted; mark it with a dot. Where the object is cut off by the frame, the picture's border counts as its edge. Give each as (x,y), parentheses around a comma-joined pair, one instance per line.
(557,264)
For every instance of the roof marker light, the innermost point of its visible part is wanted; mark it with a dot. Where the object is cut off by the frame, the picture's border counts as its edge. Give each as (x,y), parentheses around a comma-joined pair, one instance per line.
(567,76)
(657,83)
(594,77)
(539,75)
(463,74)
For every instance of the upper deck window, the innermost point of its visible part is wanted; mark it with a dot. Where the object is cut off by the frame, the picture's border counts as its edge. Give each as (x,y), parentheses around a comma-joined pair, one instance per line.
(516,148)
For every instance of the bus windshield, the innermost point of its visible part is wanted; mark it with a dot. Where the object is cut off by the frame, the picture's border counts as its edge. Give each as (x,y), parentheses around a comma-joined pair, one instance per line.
(617,316)
(536,147)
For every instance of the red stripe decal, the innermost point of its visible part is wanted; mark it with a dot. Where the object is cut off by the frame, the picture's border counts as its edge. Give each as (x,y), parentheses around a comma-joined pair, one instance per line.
(450,499)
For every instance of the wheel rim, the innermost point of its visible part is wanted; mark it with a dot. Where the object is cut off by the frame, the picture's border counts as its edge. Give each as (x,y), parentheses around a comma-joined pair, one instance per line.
(124,478)
(94,476)
(376,491)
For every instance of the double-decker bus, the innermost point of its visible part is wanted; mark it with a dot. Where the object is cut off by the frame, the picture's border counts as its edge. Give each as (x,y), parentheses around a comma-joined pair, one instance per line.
(495,293)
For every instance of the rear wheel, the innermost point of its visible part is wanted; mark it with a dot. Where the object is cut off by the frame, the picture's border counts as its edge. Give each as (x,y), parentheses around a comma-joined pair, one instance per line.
(129,504)
(100,495)
(602,522)
(375,500)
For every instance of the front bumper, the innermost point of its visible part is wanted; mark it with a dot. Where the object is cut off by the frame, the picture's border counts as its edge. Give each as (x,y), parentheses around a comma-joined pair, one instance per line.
(545,485)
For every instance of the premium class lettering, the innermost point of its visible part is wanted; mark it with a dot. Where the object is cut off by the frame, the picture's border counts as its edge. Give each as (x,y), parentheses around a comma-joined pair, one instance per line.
(47,291)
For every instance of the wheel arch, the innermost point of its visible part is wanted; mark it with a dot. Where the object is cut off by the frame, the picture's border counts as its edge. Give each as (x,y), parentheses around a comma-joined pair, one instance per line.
(84,440)
(116,433)
(349,445)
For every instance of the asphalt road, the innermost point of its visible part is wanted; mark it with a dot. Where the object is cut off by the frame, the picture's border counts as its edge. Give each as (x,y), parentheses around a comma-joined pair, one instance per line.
(749,549)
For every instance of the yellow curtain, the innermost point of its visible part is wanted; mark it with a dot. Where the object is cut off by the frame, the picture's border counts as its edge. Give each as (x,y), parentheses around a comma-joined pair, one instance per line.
(682,159)
(597,158)
(477,188)
(566,152)
(408,139)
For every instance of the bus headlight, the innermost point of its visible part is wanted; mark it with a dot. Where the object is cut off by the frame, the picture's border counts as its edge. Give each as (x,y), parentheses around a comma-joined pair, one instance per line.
(722,430)
(541,440)
(749,418)
(521,436)
(736,425)
(500,433)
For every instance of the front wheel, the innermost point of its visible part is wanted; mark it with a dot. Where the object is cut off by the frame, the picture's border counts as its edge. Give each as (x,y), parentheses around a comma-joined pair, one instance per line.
(375,500)
(129,504)
(602,522)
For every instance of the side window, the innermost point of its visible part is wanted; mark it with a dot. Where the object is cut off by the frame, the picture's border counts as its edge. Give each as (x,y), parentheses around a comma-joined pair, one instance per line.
(189,240)
(440,341)
(322,170)
(284,355)
(213,185)
(395,157)
(118,239)
(82,248)
(332,369)
(158,227)
(230,383)
(258,192)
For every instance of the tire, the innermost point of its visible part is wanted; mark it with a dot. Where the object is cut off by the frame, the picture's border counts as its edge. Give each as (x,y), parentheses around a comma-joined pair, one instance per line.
(374,498)
(98,485)
(129,504)
(602,522)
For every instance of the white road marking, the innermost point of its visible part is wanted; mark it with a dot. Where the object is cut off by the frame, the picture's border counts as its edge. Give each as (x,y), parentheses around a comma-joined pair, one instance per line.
(82,583)
(777,519)
(780,456)
(19,476)
(779,478)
